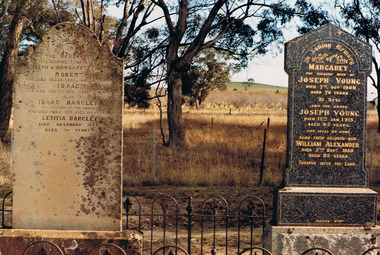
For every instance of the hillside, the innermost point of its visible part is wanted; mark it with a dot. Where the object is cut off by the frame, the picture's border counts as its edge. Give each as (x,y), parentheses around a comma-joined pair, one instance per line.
(255,87)
(241,96)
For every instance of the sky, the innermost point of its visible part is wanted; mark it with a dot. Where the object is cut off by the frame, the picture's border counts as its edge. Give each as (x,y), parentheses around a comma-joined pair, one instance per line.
(268,69)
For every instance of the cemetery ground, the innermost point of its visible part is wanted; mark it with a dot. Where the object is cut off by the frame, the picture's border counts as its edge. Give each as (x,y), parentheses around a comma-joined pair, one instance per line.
(224,154)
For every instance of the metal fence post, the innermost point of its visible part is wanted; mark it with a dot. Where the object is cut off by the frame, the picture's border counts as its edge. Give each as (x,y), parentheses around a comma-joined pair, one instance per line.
(370,168)
(263,157)
(154,157)
(189,210)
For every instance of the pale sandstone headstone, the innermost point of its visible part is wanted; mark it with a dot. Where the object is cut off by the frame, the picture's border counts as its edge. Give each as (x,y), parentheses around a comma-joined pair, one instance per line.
(68,134)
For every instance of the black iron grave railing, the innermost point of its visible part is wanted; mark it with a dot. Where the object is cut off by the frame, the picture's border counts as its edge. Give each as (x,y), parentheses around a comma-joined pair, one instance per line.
(5,211)
(212,227)
(170,227)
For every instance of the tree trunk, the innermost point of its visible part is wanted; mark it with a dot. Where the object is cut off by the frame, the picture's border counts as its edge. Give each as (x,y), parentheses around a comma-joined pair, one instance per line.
(378,110)
(7,65)
(177,133)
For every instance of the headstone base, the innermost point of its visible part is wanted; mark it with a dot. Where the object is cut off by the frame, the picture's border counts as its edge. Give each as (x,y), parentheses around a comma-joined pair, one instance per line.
(16,241)
(315,206)
(285,240)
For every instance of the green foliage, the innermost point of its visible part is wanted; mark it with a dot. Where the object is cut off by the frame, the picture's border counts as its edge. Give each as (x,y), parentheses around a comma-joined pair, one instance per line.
(136,90)
(42,16)
(247,38)
(222,87)
(363,19)
(311,16)
(207,72)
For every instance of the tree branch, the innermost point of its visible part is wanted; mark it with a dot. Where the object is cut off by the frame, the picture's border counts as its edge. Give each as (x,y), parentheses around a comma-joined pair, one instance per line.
(182,18)
(56,11)
(159,47)
(204,31)
(169,22)
(84,12)
(118,39)
(376,85)
(5,6)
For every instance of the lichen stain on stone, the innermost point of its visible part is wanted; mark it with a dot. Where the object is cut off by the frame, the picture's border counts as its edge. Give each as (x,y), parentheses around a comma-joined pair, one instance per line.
(97,155)
(97,169)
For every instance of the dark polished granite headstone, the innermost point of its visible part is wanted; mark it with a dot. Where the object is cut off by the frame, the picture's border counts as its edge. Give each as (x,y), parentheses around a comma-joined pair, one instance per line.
(327,206)
(328,71)
(326,149)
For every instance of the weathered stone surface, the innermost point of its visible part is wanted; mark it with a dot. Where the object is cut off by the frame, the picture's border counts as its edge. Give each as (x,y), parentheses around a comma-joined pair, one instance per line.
(68,134)
(340,241)
(16,241)
(326,206)
(328,71)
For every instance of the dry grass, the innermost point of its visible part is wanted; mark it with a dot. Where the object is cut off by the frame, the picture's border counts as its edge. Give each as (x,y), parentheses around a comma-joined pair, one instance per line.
(248,100)
(224,146)
(223,149)
(224,140)
(372,124)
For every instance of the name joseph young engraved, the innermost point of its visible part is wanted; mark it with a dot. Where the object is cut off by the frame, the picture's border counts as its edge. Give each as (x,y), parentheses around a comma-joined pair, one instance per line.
(326,130)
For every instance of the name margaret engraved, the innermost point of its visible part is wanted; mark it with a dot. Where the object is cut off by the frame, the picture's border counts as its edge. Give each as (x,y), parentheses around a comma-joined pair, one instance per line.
(321,67)
(328,78)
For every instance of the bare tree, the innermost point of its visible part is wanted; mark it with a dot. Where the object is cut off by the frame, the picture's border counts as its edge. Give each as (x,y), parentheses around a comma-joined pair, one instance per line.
(190,27)
(219,24)
(7,65)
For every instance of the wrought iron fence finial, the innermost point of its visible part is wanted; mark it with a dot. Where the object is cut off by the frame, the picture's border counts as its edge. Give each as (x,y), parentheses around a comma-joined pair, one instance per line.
(43,251)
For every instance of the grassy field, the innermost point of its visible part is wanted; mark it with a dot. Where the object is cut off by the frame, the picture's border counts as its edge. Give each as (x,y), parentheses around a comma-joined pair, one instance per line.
(223,149)
(225,142)
(224,137)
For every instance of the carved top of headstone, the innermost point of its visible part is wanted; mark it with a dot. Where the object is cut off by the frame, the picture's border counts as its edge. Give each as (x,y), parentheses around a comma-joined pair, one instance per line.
(328,71)
(68,133)
(295,49)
